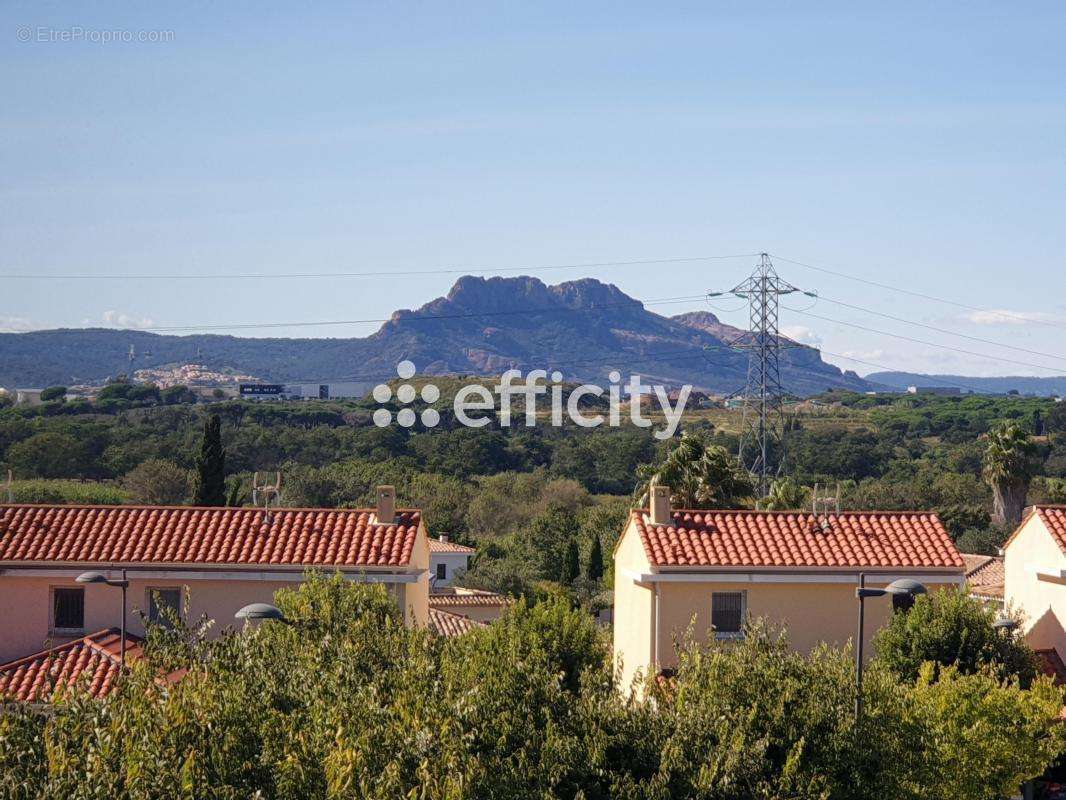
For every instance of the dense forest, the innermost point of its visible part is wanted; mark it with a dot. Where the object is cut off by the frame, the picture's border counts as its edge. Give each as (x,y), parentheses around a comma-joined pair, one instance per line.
(527,496)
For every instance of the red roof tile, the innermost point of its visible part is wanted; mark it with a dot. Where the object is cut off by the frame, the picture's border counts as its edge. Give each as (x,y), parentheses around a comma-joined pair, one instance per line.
(452,624)
(205,536)
(437,546)
(452,597)
(984,575)
(1054,518)
(92,659)
(790,539)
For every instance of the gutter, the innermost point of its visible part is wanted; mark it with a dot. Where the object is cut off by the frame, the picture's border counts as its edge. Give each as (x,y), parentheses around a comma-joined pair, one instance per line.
(656,578)
(247,574)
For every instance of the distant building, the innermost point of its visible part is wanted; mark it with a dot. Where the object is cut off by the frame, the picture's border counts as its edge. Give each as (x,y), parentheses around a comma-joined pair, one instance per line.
(941,390)
(446,560)
(332,390)
(28,397)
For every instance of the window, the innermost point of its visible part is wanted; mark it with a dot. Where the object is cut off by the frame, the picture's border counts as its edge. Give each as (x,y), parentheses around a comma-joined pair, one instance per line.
(442,572)
(68,609)
(727,614)
(160,599)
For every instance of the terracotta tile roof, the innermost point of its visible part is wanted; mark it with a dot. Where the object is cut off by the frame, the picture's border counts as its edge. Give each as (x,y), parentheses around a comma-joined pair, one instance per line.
(1054,518)
(204,536)
(437,546)
(452,624)
(790,539)
(457,597)
(1051,664)
(984,575)
(96,657)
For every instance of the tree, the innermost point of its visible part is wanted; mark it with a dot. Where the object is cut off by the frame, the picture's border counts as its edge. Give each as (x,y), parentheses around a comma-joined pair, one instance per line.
(54,393)
(211,466)
(157,482)
(785,495)
(173,395)
(700,475)
(1009,464)
(47,455)
(952,629)
(571,563)
(594,568)
(1056,418)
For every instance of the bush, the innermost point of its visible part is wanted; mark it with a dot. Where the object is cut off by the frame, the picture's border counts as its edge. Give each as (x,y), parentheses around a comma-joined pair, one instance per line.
(53,393)
(67,492)
(157,482)
(951,629)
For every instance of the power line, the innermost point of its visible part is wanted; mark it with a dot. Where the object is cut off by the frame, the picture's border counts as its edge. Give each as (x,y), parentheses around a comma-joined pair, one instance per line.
(371,274)
(927,343)
(924,296)
(636,304)
(935,328)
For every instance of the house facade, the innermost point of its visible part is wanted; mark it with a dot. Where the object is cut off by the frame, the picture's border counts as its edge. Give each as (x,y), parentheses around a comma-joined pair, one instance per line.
(446,560)
(1034,563)
(712,570)
(198,561)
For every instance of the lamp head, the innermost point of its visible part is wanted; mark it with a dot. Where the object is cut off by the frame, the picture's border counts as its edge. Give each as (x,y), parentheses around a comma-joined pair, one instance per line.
(1005,623)
(905,586)
(260,611)
(91,577)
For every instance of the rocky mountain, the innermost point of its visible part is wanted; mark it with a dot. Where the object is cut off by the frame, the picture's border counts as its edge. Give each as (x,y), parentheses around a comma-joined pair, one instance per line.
(483,326)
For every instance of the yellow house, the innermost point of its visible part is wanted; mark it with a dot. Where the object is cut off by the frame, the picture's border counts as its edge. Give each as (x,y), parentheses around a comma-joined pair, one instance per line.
(1035,577)
(714,569)
(198,561)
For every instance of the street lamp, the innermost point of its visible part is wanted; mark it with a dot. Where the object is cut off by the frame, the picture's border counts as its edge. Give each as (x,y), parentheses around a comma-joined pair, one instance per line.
(1005,624)
(99,577)
(904,587)
(260,611)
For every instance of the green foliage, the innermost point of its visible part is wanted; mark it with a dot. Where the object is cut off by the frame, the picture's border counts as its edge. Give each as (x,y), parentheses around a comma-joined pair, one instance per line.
(594,567)
(67,492)
(700,475)
(982,541)
(571,563)
(47,455)
(1009,465)
(211,466)
(157,482)
(785,495)
(346,702)
(952,629)
(958,519)
(54,393)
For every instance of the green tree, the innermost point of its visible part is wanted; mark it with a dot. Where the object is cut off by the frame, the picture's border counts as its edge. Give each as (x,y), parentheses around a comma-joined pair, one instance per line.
(571,563)
(54,393)
(951,629)
(48,454)
(594,568)
(211,466)
(157,482)
(700,475)
(785,495)
(1009,464)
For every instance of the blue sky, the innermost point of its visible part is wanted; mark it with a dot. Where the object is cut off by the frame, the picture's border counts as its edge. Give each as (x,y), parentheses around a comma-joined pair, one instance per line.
(915,146)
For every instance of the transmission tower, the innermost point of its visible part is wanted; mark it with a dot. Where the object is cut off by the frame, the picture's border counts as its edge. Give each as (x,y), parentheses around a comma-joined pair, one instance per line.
(762,437)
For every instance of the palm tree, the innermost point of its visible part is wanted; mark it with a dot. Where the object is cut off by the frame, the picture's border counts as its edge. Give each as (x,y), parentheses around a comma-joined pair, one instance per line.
(700,475)
(784,495)
(1008,468)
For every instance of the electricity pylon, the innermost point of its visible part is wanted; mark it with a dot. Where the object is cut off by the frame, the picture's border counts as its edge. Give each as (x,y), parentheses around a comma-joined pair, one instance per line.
(762,438)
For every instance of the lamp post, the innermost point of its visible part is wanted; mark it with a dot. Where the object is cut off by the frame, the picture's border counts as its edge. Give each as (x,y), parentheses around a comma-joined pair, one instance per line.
(99,577)
(904,587)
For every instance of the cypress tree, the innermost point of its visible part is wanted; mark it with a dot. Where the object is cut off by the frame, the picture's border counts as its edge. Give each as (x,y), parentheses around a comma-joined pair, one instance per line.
(594,569)
(211,466)
(572,565)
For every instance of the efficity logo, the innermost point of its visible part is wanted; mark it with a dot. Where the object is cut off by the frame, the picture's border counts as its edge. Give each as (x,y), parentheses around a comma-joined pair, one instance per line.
(475,404)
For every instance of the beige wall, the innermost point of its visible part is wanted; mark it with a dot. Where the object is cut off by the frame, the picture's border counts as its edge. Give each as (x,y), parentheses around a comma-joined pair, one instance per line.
(633,606)
(1041,599)
(25,606)
(813,612)
(416,595)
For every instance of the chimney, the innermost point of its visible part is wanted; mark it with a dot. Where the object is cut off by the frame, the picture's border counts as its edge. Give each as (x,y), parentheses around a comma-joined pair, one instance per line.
(660,505)
(443,538)
(386,505)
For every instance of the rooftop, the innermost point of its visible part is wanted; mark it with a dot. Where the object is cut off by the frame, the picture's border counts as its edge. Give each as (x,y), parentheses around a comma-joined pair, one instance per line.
(447,624)
(453,596)
(438,546)
(775,539)
(93,658)
(984,575)
(183,535)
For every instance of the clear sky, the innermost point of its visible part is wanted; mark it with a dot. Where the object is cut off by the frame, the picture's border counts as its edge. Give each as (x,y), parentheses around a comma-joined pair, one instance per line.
(914,144)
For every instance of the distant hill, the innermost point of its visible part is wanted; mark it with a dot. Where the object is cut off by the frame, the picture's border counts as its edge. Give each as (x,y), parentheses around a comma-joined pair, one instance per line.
(1023,384)
(583,328)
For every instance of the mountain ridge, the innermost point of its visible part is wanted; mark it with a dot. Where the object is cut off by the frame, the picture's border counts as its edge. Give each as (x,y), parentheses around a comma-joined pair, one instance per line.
(483,326)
